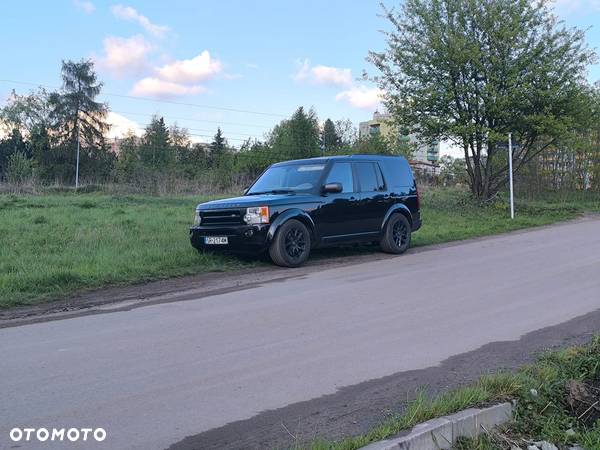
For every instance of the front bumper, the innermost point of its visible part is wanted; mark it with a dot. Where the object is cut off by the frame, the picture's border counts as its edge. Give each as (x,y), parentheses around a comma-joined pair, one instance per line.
(241,238)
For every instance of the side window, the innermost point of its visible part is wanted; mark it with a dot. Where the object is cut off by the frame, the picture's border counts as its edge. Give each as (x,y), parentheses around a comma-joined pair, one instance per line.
(342,173)
(368,177)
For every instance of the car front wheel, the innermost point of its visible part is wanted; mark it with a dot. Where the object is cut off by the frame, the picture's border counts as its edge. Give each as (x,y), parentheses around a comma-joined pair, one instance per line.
(397,234)
(291,245)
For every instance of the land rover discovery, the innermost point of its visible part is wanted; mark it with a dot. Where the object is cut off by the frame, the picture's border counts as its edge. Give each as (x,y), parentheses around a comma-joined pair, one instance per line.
(296,206)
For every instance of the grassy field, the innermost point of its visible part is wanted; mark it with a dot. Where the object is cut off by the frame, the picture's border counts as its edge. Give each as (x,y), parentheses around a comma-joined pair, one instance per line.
(57,244)
(547,407)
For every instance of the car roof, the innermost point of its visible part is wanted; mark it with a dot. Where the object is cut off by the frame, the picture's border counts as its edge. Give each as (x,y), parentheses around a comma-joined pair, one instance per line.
(326,159)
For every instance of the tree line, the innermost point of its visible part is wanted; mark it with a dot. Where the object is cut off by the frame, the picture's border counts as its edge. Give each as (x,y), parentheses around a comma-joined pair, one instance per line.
(44,128)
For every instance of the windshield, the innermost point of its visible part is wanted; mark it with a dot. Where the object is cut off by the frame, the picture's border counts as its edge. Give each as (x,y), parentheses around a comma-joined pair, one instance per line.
(288,178)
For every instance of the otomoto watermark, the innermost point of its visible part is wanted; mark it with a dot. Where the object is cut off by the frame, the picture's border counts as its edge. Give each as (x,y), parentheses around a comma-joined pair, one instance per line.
(57,434)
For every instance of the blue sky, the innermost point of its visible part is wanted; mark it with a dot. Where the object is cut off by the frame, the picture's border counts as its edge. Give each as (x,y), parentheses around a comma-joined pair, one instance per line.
(268,56)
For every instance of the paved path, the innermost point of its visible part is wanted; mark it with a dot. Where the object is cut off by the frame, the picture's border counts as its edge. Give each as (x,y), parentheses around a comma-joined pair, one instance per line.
(154,375)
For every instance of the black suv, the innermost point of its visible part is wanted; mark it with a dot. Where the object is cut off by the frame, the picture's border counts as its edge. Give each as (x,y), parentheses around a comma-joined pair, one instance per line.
(295,206)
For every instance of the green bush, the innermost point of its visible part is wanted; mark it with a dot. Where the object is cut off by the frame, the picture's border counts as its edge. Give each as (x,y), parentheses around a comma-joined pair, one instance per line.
(19,169)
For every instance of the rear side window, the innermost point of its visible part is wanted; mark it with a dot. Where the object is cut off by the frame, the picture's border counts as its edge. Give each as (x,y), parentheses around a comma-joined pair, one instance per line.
(369,176)
(397,173)
(342,173)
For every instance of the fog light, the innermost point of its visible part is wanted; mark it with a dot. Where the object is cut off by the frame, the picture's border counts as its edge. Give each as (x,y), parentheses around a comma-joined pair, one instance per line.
(249,233)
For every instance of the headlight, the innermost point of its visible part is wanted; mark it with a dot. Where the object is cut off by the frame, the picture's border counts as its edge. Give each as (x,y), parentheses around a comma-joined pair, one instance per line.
(257,215)
(197,219)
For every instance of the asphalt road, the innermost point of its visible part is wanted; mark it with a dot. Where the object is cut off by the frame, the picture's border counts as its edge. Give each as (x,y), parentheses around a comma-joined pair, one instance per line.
(154,375)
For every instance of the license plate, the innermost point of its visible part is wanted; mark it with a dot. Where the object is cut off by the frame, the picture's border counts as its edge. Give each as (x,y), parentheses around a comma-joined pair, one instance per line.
(216,240)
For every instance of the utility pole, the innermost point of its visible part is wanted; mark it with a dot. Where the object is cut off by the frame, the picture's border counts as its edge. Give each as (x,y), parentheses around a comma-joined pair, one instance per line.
(77,166)
(510,177)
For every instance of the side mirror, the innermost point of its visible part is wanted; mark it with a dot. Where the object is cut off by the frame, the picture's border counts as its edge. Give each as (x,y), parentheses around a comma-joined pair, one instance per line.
(333,188)
(245,191)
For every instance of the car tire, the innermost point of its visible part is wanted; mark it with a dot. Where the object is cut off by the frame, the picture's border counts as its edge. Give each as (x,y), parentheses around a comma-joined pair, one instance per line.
(397,234)
(291,245)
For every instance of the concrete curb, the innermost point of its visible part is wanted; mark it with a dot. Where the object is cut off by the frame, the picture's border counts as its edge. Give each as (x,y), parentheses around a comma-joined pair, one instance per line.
(443,432)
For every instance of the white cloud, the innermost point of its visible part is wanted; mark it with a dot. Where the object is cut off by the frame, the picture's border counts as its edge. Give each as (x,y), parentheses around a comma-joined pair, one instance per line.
(325,75)
(362,97)
(120,126)
(155,87)
(180,77)
(125,55)
(332,75)
(85,6)
(187,71)
(131,14)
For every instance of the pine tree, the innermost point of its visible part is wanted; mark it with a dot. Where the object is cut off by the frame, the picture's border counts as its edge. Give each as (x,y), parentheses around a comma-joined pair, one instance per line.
(75,107)
(218,145)
(297,137)
(155,149)
(330,141)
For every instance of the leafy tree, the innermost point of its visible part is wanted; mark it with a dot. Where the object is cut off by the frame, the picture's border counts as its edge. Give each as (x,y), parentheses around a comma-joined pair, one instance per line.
(155,149)
(75,107)
(128,160)
(330,141)
(97,164)
(473,71)
(196,158)
(253,158)
(373,144)
(26,113)
(12,145)
(179,138)
(19,168)
(346,131)
(452,170)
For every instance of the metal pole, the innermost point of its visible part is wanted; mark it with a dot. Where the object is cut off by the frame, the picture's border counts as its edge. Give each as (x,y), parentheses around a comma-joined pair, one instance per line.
(510,177)
(77,166)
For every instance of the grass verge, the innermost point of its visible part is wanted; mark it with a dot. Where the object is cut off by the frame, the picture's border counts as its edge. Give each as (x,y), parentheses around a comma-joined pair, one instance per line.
(546,409)
(54,245)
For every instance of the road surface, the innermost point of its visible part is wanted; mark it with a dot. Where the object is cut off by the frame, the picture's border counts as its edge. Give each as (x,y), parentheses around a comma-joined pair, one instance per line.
(155,375)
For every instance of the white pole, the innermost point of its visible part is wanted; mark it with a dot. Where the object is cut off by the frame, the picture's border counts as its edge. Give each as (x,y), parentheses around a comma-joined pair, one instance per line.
(510,177)
(77,166)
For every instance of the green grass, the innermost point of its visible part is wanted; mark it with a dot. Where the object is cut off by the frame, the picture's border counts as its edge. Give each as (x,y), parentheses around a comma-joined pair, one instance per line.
(542,412)
(55,245)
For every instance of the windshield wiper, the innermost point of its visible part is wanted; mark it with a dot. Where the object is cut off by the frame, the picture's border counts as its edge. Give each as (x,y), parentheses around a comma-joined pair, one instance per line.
(273,191)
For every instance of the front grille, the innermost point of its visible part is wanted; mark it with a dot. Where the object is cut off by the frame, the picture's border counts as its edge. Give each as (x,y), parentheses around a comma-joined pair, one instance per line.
(222,217)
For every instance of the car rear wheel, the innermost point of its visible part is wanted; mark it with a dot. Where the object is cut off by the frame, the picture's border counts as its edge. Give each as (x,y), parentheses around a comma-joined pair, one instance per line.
(291,245)
(397,234)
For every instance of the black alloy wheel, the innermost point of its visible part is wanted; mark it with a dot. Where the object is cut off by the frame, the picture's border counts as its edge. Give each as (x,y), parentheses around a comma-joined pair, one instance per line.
(291,245)
(396,235)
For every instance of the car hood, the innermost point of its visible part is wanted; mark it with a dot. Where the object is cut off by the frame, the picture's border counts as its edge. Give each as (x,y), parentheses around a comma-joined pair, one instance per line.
(258,200)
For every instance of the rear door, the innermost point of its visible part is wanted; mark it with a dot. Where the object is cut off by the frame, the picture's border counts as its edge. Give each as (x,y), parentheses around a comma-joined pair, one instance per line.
(374,199)
(337,219)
